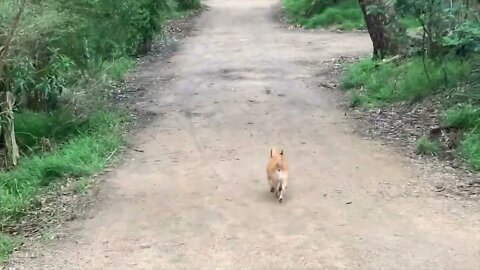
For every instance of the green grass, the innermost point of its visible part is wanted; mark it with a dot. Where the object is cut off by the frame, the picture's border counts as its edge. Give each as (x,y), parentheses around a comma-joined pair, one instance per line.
(58,126)
(375,83)
(77,157)
(464,116)
(117,69)
(84,148)
(7,245)
(470,149)
(59,145)
(345,15)
(378,83)
(426,146)
(410,22)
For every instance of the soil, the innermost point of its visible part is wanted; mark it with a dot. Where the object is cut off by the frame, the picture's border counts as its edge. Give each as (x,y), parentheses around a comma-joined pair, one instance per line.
(194,195)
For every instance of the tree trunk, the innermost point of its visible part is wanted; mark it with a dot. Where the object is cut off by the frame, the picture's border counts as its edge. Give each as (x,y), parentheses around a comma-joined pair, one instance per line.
(7,99)
(7,127)
(383,27)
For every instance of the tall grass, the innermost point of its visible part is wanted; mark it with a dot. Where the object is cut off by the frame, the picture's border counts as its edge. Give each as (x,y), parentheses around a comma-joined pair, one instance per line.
(467,118)
(345,15)
(464,116)
(7,245)
(408,80)
(82,155)
(470,148)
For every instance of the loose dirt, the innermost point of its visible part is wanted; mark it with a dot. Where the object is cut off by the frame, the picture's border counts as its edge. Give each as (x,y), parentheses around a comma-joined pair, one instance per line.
(197,196)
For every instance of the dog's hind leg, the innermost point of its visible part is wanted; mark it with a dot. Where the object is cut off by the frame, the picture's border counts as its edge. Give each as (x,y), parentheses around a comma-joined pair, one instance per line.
(282,188)
(271,184)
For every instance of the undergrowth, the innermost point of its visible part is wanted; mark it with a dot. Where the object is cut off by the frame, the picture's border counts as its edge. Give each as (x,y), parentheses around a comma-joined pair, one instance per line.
(426,146)
(66,57)
(81,155)
(7,245)
(466,117)
(378,83)
(470,148)
(374,83)
(344,15)
(340,14)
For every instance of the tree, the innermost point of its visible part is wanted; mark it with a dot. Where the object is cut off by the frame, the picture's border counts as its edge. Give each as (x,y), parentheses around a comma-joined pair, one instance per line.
(6,96)
(383,27)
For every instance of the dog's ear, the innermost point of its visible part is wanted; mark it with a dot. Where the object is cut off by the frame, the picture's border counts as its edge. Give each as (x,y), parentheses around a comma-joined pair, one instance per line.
(281,153)
(271,152)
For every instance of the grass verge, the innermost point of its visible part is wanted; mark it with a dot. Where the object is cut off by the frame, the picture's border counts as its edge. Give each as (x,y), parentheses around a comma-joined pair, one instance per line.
(345,15)
(466,117)
(59,146)
(7,245)
(470,149)
(77,156)
(375,83)
(378,83)
(80,156)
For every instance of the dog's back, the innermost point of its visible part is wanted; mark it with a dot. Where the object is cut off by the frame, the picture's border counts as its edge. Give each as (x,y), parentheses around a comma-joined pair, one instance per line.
(277,173)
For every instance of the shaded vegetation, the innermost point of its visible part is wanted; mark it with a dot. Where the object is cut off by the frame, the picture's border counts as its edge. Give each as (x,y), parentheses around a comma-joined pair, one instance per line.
(380,83)
(343,14)
(441,59)
(58,63)
(438,56)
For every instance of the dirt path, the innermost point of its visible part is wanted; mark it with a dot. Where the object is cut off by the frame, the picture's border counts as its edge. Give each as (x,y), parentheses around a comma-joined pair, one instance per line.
(197,198)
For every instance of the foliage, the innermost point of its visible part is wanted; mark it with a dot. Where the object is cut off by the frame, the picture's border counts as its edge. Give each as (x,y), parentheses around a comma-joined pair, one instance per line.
(79,156)
(466,117)
(445,25)
(307,8)
(189,4)
(63,61)
(63,41)
(444,59)
(465,36)
(405,80)
(470,148)
(463,116)
(344,14)
(426,146)
(7,245)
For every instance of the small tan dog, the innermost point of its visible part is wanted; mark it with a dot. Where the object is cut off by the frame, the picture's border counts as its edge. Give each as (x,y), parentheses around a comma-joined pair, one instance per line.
(277,173)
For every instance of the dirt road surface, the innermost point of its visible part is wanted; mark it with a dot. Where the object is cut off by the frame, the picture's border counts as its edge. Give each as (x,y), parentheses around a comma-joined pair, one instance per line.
(197,197)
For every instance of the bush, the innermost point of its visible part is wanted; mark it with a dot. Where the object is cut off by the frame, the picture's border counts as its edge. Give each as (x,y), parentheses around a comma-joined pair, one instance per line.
(60,42)
(189,4)
(69,49)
